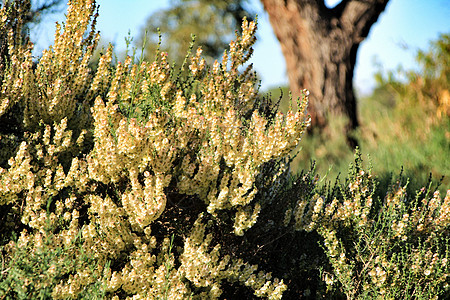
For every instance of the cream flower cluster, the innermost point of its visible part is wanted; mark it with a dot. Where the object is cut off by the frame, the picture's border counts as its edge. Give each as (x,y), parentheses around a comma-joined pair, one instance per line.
(53,89)
(17,68)
(208,269)
(210,122)
(354,209)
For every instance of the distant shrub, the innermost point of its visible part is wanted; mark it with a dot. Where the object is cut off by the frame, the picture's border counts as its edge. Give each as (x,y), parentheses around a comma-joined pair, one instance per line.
(140,181)
(428,87)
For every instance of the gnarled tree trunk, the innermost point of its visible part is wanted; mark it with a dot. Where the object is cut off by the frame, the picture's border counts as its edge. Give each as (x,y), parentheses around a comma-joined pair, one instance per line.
(320,45)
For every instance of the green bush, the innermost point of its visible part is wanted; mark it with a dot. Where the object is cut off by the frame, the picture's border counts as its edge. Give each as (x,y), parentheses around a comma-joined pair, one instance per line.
(140,181)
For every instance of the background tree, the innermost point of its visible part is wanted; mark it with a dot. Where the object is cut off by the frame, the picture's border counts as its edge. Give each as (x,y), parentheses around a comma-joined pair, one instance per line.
(41,8)
(213,22)
(320,46)
(319,43)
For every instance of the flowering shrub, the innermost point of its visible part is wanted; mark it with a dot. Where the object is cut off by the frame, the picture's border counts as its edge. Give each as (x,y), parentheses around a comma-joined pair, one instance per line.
(104,156)
(139,181)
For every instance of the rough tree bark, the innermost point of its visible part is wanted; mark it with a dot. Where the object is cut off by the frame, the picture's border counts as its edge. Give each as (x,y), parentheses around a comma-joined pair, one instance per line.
(320,45)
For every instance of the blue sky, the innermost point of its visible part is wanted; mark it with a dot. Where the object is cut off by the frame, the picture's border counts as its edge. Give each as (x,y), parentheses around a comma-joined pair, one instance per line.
(404,27)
